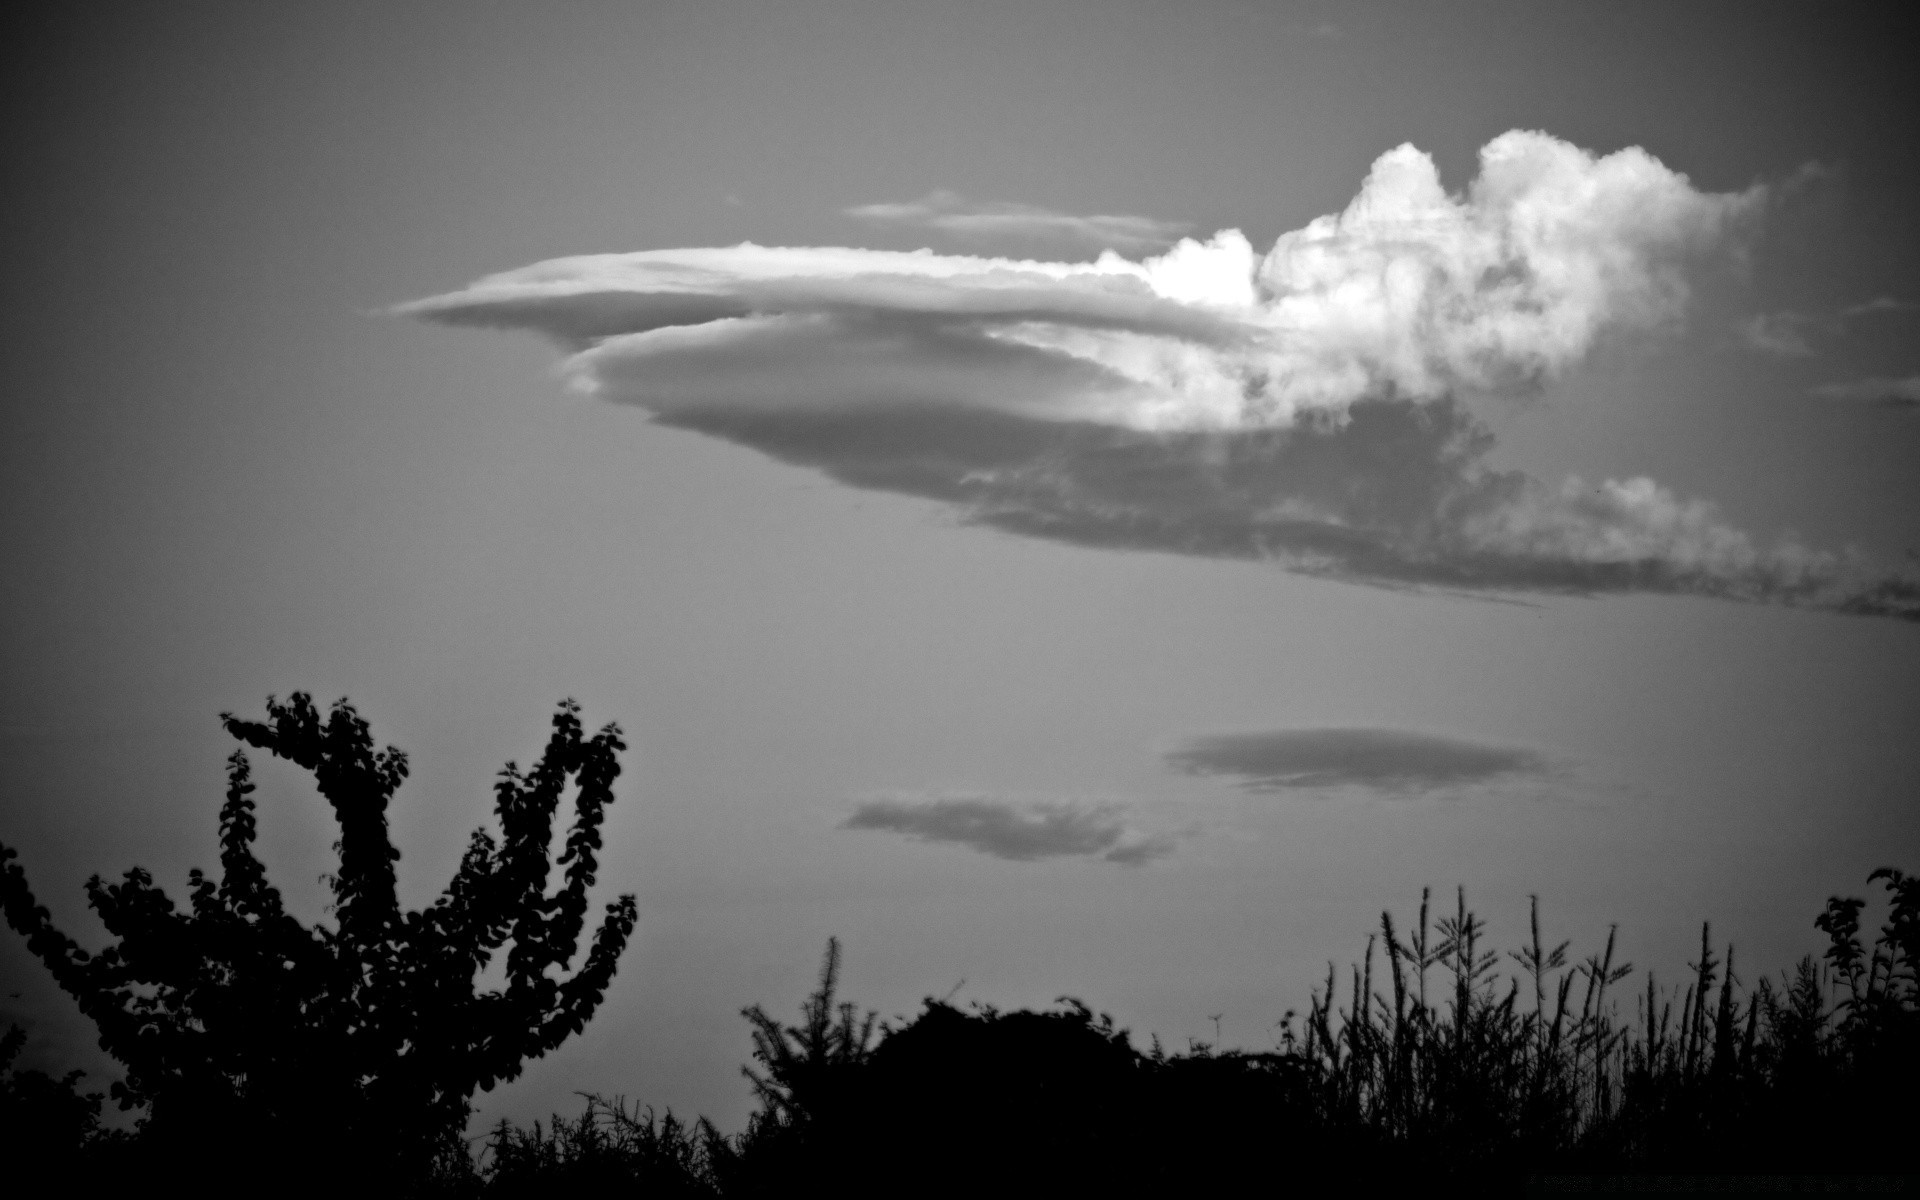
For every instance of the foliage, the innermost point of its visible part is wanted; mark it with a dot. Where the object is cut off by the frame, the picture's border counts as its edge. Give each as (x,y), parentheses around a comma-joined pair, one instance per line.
(1739,1079)
(1449,1062)
(241,1028)
(609,1147)
(1440,1066)
(978,1101)
(43,1120)
(804,1063)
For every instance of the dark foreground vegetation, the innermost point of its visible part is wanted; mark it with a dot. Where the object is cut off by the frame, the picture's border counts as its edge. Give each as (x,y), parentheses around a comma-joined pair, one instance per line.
(268,1056)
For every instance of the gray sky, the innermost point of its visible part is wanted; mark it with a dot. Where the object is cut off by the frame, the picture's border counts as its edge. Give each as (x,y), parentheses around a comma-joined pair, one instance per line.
(988,674)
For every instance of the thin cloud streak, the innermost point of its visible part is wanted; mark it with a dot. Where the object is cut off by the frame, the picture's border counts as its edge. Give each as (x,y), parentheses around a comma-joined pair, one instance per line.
(1879,304)
(954,214)
(1790,334)
(1383,760)
(1890,393)
(1018,832)
(1784,334)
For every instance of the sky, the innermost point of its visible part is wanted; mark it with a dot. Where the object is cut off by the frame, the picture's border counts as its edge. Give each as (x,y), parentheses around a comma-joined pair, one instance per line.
(1071,499)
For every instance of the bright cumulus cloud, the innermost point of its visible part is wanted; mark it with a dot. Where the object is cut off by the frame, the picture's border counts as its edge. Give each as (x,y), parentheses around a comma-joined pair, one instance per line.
(1409,290)
(1231,383)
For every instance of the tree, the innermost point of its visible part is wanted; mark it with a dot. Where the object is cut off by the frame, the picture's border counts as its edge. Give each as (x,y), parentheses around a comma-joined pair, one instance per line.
(241,1028)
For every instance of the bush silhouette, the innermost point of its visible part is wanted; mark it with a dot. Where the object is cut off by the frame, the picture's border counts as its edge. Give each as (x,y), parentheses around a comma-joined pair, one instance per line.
(248,1036)
(45,1123)
(977,1101)
(1439,1068)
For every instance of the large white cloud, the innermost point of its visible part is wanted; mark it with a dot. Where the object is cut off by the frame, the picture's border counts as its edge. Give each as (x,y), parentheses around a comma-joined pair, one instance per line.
(1409,291)
(1300,406)
(1548,250)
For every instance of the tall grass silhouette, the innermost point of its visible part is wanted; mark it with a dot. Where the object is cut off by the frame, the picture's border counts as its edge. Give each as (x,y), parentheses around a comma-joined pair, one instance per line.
(1436,1058)
(1536,1069)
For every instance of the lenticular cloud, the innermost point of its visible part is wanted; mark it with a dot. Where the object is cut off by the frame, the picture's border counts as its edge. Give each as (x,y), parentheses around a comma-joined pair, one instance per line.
(1409,291)
(1298,406)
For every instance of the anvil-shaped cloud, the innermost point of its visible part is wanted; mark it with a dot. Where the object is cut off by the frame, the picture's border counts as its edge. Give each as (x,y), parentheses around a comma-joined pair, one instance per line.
(1297,405)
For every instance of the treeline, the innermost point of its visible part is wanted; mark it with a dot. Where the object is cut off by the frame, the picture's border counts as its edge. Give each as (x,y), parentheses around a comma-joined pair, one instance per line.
(1436,1059)
(1431,1064)
(269,1056)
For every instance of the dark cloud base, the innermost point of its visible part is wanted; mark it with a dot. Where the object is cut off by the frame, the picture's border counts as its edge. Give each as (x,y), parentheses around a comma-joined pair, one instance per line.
(1386,497)
(1021,833)
(1379,478)
(1386,760)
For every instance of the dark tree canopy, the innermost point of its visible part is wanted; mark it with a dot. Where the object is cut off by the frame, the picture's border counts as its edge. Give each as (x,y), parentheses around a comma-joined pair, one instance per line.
(238,1025)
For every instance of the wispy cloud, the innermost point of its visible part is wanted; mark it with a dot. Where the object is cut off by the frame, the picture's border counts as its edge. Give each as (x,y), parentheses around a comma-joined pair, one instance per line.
(1787,334)
(1879,304)
(1296,406)
(1792,334)
(953,213)
(1893,393)
(1385,760)
(1020,831)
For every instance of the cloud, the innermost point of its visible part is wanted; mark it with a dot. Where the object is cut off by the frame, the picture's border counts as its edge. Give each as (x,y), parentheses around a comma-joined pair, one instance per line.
(1781,333)
(1021,832)
(1397,494)
(1384,760)
(1408,291)
(1892,393)
(955,214)
(1879,304)
(1791,334)
(1297,406)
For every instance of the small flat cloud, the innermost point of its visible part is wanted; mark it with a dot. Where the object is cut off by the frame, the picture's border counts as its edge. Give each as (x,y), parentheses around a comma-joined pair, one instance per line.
(1384,760)
(1018,831)
(1891,393)
(952,213)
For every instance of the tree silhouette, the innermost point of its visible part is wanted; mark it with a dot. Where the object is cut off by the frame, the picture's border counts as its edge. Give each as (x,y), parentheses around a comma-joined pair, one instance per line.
(243,1030)
(45,1122)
